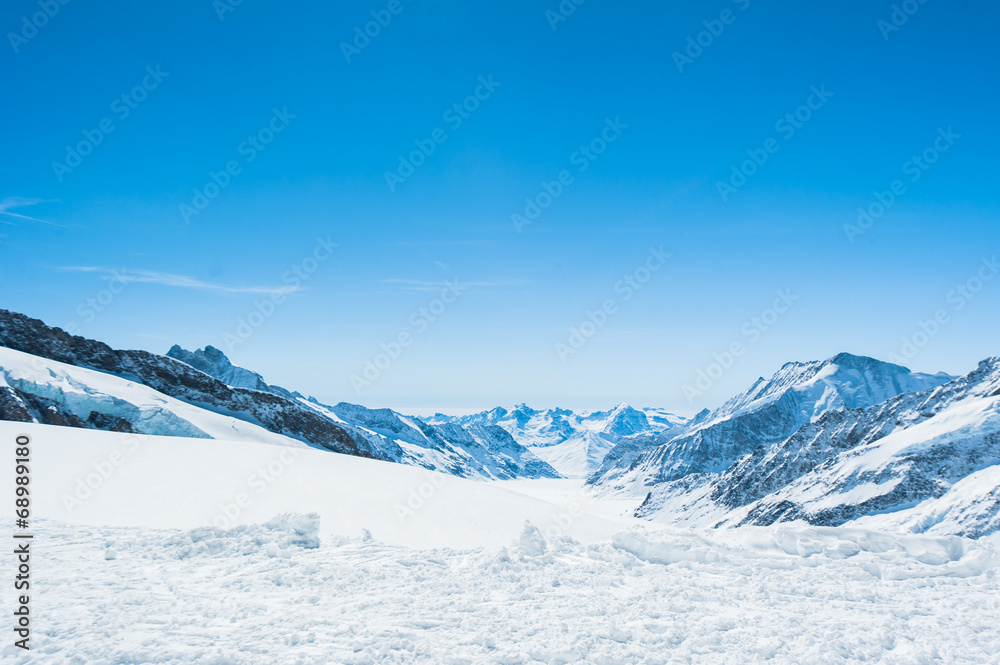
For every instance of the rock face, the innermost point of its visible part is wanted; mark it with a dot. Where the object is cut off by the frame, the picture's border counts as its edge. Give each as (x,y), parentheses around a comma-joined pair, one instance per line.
(214,362)
(811,445)
(177,379)
(858,462)
(208,380)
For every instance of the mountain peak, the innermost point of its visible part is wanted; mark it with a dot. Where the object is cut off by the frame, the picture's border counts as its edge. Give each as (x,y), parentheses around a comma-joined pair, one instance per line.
(849,358)
(212,352)
(209,352)
(851,361)
(215,363)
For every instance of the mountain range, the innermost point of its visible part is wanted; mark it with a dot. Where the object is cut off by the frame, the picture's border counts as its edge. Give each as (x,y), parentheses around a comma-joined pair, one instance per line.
(849,439)
(574,444)
(49,376)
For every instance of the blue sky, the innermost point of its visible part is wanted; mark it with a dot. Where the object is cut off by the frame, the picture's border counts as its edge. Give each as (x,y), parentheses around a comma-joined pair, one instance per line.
(309,134)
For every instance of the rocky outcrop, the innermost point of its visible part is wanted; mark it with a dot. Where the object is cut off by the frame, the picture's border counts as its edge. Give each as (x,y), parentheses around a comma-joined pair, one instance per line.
(179,380)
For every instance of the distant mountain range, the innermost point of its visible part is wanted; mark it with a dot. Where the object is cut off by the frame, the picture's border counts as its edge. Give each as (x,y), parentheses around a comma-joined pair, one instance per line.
(49,376)
(848,439)
(574,444)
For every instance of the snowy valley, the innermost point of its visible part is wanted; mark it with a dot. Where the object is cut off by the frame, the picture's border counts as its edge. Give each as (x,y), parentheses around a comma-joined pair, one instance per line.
(843,511)
(826,442)
(215,552)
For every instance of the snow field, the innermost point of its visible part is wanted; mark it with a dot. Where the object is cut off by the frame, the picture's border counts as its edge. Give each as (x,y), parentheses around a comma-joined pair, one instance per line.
(263,594)
(98,478)
(320,567)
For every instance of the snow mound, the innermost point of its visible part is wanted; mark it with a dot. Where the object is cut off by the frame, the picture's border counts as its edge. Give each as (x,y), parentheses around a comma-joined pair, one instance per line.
(304,527)
(665,552)
(281,536)
(881,554)
(531,542)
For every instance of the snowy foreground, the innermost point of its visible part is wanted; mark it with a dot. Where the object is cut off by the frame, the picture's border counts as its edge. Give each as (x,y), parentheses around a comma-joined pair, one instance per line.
(333,561)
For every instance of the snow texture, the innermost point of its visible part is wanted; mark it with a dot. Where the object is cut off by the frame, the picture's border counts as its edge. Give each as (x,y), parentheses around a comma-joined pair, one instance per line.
(252,595)
(341,559)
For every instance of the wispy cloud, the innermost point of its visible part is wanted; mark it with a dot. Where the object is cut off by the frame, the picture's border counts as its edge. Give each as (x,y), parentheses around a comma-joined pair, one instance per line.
(442,243)
(421,285)
(179,281)
(14,202)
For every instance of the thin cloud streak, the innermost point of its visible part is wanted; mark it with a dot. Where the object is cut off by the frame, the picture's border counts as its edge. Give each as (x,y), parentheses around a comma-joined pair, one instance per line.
(20,202)
(178,281)
(431,286)
(421,285)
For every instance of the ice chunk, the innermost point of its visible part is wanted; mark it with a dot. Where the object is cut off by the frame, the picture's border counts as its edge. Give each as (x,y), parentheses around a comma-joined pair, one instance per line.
(532,542)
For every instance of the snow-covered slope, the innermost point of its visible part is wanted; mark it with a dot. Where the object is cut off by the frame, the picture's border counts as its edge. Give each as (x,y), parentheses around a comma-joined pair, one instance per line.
(914,448)
(484,451)
(970,507)
(474,450)
(575,444)
(165,551)
(166,376)
(920,461)
(768,412)
(91,477)
(66,395)
(57,379)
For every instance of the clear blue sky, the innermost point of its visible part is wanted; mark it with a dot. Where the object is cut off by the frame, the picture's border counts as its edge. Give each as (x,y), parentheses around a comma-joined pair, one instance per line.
(190,278)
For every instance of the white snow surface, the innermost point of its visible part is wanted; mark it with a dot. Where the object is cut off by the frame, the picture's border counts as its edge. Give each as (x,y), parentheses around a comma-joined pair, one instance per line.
(320,567)
(92,477)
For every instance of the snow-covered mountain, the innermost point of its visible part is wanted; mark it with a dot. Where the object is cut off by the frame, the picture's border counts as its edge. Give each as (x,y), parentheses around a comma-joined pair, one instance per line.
(845,440)
(893,456)
(468,451)
(768,412)
(922,460)
(575,444)
(50,377)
